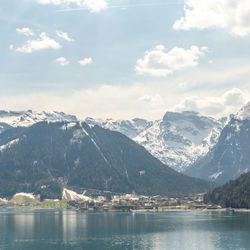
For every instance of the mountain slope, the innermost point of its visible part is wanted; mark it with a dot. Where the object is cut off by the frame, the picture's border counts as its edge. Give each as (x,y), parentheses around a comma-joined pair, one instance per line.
(178,140)
(234,194)
(45,157)
(230,157)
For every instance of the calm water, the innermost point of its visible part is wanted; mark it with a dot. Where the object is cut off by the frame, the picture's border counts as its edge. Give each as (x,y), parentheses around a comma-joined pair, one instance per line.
(74,230)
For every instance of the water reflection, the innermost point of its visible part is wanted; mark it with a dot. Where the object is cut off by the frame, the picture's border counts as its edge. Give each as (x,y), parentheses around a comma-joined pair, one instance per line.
(75,230)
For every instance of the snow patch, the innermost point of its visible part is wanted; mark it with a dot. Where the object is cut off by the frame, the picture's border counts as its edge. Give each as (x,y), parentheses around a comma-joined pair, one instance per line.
(142,172)
(9,145)
(215,175)
(77,162)
(78,135)
(68,126)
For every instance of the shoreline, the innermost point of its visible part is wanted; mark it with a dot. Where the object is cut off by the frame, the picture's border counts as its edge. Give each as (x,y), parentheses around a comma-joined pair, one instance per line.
(27,208)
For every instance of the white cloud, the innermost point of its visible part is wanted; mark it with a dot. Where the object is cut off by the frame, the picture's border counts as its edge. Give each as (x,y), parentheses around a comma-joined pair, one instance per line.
(95,5)
(232,15)
(105,101)
(25,31)
(154,100)
(183,85)
(62,61)
(11,47)
(43,42)
(92,5)
(157,62)
(229,102)
(127,102)
(85,61)
(64,36)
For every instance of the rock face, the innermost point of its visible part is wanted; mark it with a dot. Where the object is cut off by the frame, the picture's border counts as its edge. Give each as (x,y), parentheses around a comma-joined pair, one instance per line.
(45,157)
(230,157)
(178,140)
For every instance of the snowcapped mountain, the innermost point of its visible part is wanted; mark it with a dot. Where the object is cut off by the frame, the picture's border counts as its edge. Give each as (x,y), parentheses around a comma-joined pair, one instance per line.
(27,118)
(47,157)
(178,140)
(129,128)
(230,157)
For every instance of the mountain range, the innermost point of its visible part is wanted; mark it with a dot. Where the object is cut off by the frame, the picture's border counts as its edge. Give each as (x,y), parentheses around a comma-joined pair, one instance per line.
(199,146)
(178,139)
(48,156)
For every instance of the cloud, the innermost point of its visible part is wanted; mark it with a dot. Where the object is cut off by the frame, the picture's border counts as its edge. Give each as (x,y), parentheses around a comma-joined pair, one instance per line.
(95,5)
(183,85)
(229,102)
(232,15)
(64,36)
(91,5)
(126,102)
(43,42)
(123,6)
(25,31)
(159,63)
(105,101)
(62,61)
(85,61)
(154,100)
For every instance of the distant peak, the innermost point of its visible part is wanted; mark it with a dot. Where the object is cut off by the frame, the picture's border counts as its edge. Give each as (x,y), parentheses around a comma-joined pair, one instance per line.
(174,115)
(30,117)
(186,112)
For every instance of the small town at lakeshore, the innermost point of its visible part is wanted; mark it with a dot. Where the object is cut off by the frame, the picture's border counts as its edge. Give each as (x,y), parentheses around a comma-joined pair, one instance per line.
(110,203)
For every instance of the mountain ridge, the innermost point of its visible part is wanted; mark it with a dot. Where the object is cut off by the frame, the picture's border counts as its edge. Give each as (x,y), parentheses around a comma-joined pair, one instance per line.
(46,156)
(230,157)
(178,140)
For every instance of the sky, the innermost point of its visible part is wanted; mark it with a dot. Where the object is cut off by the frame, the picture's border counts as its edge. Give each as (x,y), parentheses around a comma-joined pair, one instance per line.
(123,59)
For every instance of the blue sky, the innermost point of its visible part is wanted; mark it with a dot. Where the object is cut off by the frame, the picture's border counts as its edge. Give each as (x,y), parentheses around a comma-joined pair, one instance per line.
(125,58)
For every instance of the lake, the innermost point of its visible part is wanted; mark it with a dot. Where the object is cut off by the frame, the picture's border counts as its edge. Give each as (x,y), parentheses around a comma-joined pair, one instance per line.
(55,229)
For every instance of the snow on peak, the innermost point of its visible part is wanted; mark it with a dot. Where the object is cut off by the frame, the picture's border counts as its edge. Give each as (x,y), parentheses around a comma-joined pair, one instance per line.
(244,113)
(177,140)
(29,117)
(130,128)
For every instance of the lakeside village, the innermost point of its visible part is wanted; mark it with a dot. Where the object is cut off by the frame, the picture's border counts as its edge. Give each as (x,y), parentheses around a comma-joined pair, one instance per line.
(108,202)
